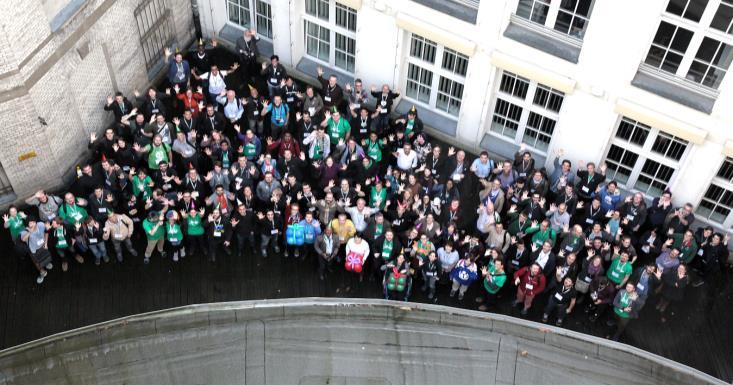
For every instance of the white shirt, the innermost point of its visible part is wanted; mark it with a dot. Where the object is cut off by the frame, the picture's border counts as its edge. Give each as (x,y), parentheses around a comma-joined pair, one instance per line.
(406,162)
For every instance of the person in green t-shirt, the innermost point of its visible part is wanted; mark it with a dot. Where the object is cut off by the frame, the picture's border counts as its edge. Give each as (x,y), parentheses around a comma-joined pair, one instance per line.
(373,146)
(194,229)
(625,308)
(14,221)
(620,269)
(494,279)
(142,184)
(71,211)
(174,235)
(378,195)
(157,152)
(338,129)
(155,233)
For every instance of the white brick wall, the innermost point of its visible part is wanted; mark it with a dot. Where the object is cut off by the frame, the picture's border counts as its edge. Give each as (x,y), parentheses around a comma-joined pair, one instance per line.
(70,93)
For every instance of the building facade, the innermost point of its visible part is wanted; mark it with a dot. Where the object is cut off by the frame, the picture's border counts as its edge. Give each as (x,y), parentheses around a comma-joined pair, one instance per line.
(59,60)
(639,85)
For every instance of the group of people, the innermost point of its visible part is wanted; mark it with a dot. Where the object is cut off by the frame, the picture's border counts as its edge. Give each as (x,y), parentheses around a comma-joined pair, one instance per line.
(248,162)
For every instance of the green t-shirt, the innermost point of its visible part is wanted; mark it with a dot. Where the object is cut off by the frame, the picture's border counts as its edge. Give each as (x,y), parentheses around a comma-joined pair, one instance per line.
(157,154)
(173,233)
(338,130)
(16,226)
(142,186)
(148,227)
(499,280)
(618,271)
(194,225)
(387,249)
(72,214)
(250,150)
(61,238)
(409,126)
(625,302)
(374,149)
(374,194)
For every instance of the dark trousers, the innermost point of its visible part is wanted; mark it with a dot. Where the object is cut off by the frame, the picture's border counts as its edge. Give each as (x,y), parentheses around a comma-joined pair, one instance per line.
(196,243)
(244,240)
(554,306)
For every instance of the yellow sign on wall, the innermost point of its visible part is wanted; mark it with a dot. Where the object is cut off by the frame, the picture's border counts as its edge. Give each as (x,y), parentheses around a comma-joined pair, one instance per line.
(26,156)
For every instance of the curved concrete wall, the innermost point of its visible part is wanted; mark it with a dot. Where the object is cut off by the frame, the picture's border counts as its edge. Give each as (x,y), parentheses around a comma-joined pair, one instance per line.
(326,341)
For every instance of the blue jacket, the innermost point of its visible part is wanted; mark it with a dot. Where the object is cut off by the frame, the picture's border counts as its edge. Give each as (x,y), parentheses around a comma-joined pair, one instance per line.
(172,70)
(608,201)
(312,230)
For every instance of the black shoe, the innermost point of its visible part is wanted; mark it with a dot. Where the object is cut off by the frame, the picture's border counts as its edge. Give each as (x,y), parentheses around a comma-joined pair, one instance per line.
(558,323)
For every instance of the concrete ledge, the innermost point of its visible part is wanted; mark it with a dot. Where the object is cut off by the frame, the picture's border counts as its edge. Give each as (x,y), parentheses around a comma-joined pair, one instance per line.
(316,340)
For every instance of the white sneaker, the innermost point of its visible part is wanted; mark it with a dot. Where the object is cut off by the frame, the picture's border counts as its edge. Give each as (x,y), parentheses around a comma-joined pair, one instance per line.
(49,266)
(39,280)
(175,257)
(183,253)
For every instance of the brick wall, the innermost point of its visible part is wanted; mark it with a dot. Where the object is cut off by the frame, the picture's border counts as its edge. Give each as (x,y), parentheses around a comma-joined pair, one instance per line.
(64,77)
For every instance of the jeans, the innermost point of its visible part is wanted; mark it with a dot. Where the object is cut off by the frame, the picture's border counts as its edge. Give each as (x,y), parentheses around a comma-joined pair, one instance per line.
(256,126)
(553,305)
(243,240)
(118,247)
(99,250)
(265,242)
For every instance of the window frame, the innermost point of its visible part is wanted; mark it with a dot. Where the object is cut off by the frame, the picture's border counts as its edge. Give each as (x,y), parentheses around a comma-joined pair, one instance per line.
(554,10)
(644,152)
(700,30)
(254,16)
(333,30)
(528,107)
(155,35)
(436,69)
(726,184)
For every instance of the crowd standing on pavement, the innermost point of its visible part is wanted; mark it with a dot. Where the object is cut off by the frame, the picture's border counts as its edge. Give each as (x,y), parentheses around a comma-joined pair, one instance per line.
(327,173)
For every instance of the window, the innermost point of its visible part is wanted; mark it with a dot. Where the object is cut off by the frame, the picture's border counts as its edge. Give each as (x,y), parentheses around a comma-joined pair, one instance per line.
(717,202)
(689,43)
(243,12)
(643,158)
(330,33)
(569,17)
(263,15)
(722,21)
(525,111)
(5,187)
(435,75)
(155,28)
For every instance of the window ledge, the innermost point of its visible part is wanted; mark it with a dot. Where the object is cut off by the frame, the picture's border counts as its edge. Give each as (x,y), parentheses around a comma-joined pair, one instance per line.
(460,9)
(506,148)
(675,88)
(309,66)
(231,33)
(442,123)
(544,39)
(65,14)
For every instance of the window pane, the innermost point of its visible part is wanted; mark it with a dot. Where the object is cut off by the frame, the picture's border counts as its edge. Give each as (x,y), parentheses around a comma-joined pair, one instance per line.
(548,98)
(506,118)
(632,131)
(345,17)
(539,130)
(726,170)
(689,9)
(514,85)
(620,162)
(534,10)
(419,83)
(723,18)
(264,18)
(669,146)
(454,62)
(449,96)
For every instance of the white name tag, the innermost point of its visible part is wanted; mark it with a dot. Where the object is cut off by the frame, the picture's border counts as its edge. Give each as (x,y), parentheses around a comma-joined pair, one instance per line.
(699,252)
(101,210)
(585,189)
(273,80)
(529,286)
(92,240)
(568,248)
(327,98)
(588,221)
(194,194)
(357,105)
(363,131)
(217,233)
(290,99)
(273,232)
(558,296)
(256,113)
(640,286)
(119,237)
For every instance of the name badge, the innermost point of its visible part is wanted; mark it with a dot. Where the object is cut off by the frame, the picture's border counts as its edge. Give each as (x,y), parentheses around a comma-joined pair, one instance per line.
(588,221)
(256,113)
(327,98)
(640,286)
(587,279)
(529,286)
(155,110)
(558,296)
(700,252)
(363,131)
(101,210)
(515,262)
(217,233)
(273,80)
(357,106)
(273,232)
(194,194)
(119,237)
(93,240)
(40,242)
(568,248)
(585,189)
(290,99)
(384,111)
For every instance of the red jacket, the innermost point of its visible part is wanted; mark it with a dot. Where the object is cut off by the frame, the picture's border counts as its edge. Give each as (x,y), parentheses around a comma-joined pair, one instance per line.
(191,104)
(282,145)
(530,285)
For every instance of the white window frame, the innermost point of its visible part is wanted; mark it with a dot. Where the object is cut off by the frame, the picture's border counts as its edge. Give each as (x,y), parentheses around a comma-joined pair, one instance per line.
(527,105)
(156,34)
(253,15)
(333,29)
(721,183)
(644,152)
(553,11)
(699,30)
(437,70)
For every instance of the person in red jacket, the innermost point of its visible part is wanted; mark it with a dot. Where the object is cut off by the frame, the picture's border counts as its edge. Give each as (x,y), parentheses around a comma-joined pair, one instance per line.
(530,282)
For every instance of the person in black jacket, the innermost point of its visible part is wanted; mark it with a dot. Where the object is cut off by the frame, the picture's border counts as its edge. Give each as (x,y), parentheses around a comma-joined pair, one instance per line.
(269,227)
(152,103)
(103,148)
(99,203)
(218,234)
(385,249)
(242,222)
(429,270)
(119,105)
(247,50)
(383,107)
(333,95)
(517,256)
(588,180)
(561,302)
